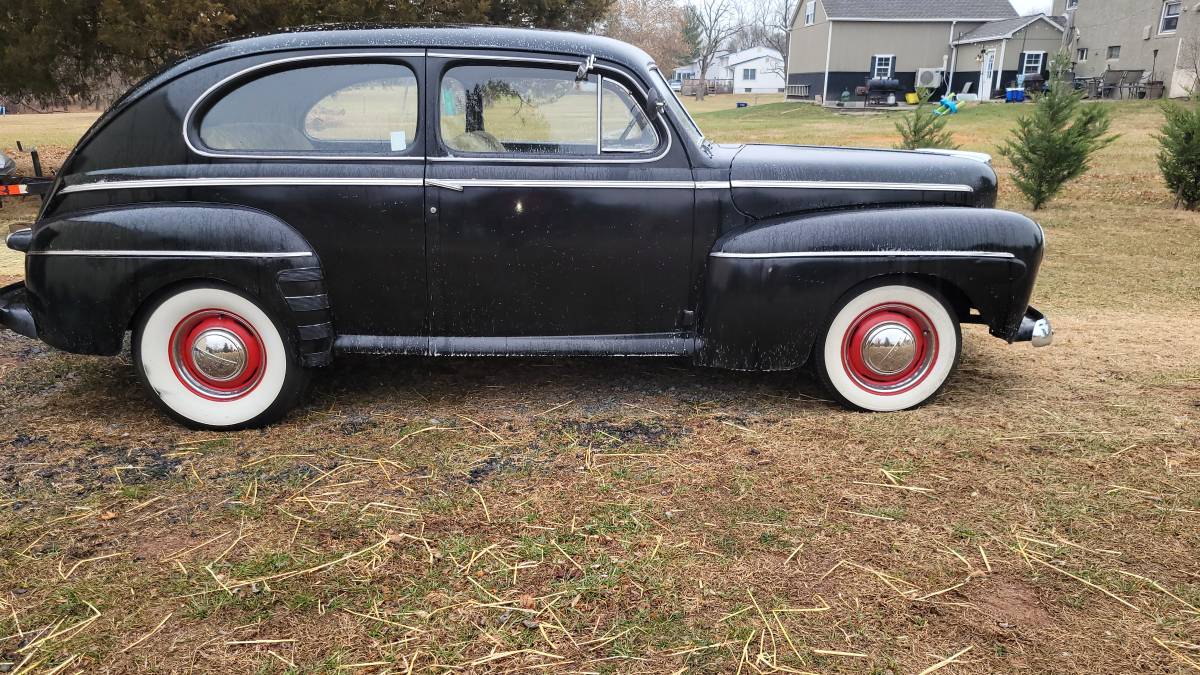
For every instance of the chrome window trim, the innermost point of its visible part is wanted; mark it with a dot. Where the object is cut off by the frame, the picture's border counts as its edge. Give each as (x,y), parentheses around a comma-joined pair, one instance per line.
(543,160)
(848,185)
(131,253)
(187,118)
(150,183)
(866,254)
(600,120)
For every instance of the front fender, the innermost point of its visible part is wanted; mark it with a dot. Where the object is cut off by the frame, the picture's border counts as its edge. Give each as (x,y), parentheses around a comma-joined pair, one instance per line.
(87,273)
(771,287)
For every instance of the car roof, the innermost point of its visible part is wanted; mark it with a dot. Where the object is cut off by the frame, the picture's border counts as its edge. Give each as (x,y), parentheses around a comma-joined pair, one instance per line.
(332,36)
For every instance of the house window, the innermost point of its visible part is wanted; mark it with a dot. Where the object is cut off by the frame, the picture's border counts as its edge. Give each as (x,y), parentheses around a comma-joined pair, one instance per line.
(1081,54)
(1031,62)
(1072,4)
(810,12)
(749,73)
(1170,17)
(883,65)
(1114,52)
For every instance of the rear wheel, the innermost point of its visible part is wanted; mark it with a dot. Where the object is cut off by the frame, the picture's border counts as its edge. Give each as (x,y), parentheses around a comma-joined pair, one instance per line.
(214,359)
(889,347)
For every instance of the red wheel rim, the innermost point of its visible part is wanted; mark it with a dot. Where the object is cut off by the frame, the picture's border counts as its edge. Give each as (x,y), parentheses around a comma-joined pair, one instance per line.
(217,355)
(889,348)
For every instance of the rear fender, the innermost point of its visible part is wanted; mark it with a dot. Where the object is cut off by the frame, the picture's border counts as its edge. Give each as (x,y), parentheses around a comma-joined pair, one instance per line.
(88,273)
(770,288)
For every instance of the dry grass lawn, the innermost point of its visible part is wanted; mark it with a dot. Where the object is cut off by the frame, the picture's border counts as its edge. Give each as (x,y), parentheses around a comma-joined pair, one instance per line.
(603,516)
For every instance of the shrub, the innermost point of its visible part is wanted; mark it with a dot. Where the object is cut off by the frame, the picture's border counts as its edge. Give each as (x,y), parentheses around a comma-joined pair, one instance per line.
(1179,154)
(921,128)
(1054,143)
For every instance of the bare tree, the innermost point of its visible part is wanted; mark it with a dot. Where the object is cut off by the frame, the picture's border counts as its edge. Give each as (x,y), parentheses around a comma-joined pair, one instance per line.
(654,25)
(716,21)
(776,20)
(1189,64)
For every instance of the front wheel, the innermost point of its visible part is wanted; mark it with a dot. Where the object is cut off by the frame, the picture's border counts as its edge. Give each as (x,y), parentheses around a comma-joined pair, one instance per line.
(889,347)
(213,359)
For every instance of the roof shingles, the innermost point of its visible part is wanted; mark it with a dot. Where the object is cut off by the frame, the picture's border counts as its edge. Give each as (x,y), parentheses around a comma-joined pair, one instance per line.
(919,9)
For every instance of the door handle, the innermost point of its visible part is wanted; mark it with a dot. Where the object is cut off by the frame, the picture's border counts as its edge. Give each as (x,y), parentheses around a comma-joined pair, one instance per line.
(444,184)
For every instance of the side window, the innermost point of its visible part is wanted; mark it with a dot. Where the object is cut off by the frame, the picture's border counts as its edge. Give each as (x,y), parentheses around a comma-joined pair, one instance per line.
(344,109)
(625,126)
(516,109)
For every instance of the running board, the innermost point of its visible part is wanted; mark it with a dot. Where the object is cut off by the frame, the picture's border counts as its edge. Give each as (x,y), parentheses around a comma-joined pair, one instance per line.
(648,344)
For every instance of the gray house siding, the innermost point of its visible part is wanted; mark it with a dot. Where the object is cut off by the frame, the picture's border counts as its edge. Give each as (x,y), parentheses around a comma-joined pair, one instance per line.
(1135,27)
(837,52)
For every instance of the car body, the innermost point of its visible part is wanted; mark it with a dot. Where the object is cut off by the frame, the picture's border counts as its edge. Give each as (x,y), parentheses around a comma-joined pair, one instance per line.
(675,85)
(261,206)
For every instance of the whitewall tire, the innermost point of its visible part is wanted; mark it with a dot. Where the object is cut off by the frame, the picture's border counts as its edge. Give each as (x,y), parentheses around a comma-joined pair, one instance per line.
(889,347)
(214,359)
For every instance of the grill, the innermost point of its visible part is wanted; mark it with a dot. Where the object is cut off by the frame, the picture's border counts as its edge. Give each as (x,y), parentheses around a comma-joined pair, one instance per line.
(883,91)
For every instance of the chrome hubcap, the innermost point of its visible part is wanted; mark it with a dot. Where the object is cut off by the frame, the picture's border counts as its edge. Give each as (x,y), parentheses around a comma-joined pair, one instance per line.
(219,354)
(889,348)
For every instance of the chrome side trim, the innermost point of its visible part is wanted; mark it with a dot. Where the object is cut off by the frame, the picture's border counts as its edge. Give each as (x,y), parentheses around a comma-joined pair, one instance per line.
(866,254)
(448,183)
(175,254)
(848,185)
(234,182)
(459,184)
(712,185)
(187,118)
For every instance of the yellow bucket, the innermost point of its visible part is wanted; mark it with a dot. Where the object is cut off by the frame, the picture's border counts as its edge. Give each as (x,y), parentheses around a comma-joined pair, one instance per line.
(911,98)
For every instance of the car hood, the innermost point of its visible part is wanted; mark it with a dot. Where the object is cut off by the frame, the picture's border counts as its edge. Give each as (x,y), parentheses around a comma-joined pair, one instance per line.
(774,180)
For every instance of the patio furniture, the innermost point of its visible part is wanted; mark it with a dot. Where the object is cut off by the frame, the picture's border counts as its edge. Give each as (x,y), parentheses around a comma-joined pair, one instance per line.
(1131,83)
(1110,83)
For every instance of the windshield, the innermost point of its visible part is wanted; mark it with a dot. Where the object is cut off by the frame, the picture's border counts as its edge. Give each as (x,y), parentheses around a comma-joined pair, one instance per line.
(677,109)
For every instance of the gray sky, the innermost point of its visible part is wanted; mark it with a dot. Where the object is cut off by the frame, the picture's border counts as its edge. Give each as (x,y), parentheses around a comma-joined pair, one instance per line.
(1031,6)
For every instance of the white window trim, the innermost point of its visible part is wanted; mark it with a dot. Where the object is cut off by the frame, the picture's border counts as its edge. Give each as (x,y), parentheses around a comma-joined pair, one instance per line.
(1108,50)
(1163,17)
(1025,62)
(1081,54)
(750,74)
(1072,4)
(875,65)
(810,12)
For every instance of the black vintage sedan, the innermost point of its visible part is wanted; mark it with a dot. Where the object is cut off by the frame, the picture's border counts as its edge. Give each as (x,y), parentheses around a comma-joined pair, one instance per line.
(252,211)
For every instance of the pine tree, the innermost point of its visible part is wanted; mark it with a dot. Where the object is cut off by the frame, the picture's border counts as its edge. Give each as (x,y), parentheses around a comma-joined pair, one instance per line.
(1054,143)
(1179,153)
(921,128)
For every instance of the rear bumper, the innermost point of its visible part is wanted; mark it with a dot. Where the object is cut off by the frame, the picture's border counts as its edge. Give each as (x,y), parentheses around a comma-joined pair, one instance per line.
(14,310)
(1035,328)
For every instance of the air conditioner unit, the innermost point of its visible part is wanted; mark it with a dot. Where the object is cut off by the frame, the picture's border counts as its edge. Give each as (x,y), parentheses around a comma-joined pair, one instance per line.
(929,78)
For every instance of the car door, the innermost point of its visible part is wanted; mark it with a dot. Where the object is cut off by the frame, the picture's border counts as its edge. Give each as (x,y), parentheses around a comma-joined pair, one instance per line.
(557,206)
(332,144)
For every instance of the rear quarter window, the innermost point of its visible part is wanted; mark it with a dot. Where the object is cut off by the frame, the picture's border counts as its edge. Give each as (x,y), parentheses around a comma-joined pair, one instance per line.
(342,109)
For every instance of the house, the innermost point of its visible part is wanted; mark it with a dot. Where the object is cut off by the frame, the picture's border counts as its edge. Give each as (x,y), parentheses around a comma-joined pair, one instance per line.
(837,45)
(754,70)
(999,54)
(718,69)
(1161,38)
(757,70)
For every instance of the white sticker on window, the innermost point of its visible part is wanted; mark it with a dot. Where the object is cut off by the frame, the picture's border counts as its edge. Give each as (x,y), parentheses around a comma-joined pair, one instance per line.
(399,141)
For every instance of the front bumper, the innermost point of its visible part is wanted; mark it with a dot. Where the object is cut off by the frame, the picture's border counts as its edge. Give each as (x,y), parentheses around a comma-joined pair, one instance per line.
(1035,328)
(14,310)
